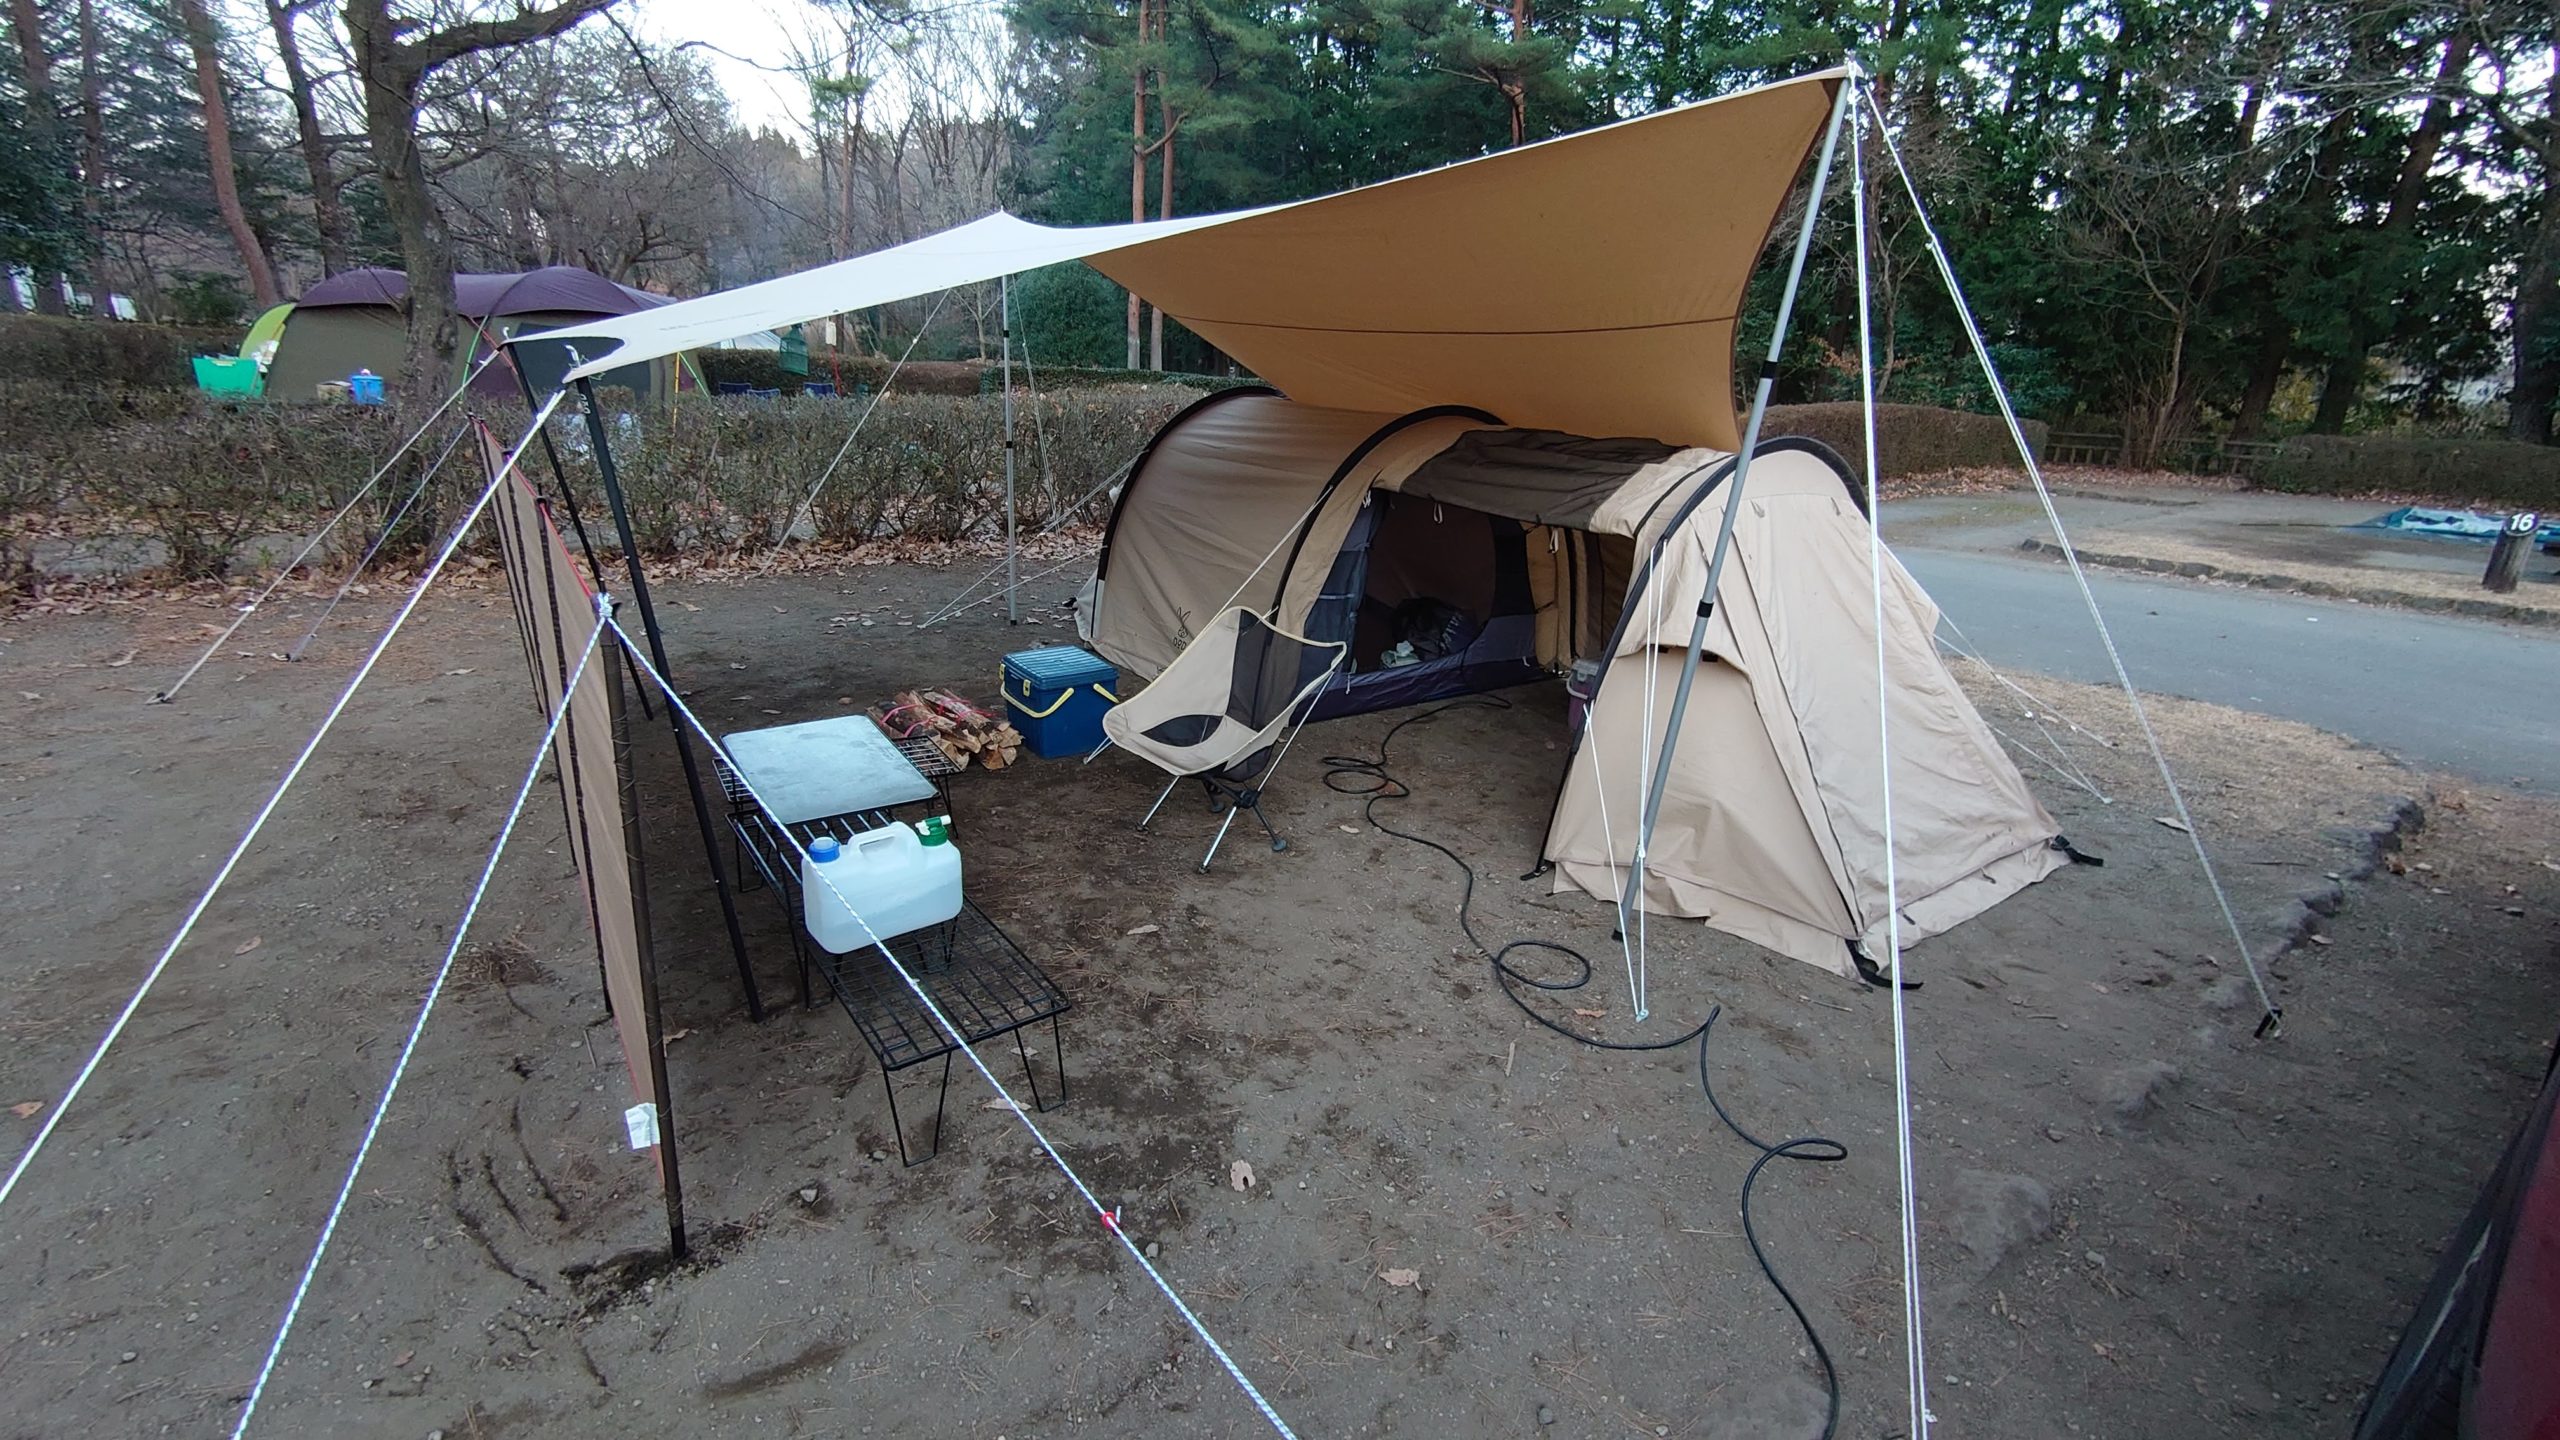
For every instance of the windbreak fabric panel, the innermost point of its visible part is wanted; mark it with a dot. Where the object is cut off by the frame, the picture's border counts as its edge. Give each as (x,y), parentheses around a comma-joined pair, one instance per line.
(556,616)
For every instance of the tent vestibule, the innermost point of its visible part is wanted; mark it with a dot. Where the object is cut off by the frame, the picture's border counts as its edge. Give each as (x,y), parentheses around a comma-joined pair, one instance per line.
(1454,554)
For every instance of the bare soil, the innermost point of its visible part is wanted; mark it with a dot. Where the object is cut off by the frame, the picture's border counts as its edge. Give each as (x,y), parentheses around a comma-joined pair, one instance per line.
(2135,1219)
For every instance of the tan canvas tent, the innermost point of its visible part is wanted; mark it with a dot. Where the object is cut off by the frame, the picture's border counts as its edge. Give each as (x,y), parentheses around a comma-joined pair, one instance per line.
(1455,554)
(1510,385)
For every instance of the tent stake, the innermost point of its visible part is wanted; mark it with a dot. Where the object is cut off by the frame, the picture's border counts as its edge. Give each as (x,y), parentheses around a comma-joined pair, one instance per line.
(1004,330)
(1733,502)
(658,658)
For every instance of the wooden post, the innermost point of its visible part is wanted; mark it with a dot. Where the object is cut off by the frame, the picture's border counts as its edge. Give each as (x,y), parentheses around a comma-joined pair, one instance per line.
(2506,558)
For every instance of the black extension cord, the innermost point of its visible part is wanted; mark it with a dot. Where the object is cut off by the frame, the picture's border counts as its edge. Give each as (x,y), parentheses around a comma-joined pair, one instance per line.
(1373,782)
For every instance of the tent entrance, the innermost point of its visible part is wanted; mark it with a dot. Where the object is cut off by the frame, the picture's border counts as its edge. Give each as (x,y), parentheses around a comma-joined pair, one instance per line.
(1434,600)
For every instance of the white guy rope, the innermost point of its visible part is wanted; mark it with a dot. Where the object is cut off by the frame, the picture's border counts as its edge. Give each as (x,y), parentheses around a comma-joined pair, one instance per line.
(1915,1355)
(417,1029)
(313,543)
(811,500)
(400,512)
(950,612)
(1047,527)
(2272,1020)
(186,927)
(1110,1218)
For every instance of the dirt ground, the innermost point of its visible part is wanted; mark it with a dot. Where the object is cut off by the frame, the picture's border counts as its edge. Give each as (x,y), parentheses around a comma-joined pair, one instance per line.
(2136,1220)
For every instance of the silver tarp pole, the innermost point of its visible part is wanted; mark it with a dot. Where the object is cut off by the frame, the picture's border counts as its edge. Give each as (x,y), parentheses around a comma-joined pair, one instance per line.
(1733,489)
(1004,328)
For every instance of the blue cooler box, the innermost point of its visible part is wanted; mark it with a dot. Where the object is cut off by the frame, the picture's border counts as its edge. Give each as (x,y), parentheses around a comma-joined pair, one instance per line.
(1057,695)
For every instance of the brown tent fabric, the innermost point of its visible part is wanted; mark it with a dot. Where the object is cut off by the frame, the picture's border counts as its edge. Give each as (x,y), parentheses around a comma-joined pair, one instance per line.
(1771,823)
(556,617)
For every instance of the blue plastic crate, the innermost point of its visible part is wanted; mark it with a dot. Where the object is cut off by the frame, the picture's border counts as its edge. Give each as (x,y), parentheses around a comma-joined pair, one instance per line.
(1057,695)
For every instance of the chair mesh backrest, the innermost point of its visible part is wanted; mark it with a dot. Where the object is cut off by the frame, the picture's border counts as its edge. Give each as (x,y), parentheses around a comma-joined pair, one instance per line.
(1271,667)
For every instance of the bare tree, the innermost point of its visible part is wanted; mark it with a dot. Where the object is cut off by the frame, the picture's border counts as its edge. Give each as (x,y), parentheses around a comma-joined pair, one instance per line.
(206,44)
(328,209)
(391,69)
(44,118)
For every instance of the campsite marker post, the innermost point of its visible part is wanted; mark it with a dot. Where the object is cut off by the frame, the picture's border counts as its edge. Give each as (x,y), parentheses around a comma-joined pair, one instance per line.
(2506,558)
(1733,501)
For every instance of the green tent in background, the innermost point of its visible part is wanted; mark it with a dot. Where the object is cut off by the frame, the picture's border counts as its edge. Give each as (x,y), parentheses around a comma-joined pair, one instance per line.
(265,331)
(795,351)
(355,320)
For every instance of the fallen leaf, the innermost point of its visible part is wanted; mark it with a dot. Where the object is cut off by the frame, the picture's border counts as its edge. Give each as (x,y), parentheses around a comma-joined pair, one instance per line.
(26,1109)
(1144,930)
(673,1036)
(1001,1103)
(2322,940)
(1349,829)
(252,943)
(1401,1277)
(689,605)
(122,660)
(405,1357)
(2174,823)
(1590,1014)
(33,695)
(1240,1176)
(2547,864)
(457,672)
(2398,866)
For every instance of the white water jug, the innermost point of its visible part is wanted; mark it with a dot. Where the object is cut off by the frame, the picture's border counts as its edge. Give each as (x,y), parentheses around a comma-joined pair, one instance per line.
(896,879)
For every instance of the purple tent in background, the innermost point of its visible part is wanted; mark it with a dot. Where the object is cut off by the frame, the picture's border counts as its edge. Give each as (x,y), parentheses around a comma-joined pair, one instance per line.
(353,321)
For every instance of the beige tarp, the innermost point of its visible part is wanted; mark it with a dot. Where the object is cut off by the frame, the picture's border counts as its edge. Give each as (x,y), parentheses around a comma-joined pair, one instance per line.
(556,616)
(1771,824)
(1588,283)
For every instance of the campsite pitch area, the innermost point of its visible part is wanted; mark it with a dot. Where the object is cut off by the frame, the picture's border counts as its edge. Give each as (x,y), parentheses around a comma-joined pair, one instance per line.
(2136,1220)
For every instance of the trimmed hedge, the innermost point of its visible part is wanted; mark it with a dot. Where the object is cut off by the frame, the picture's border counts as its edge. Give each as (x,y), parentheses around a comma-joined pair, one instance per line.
(107,352)
(1910,439)
(2506,474)
(729,474)
(1062,377)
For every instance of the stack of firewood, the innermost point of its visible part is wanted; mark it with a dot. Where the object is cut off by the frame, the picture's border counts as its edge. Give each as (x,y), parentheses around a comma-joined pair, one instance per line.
(962,730)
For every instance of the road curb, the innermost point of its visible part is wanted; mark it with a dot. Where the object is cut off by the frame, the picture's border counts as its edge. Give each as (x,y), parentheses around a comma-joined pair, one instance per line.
(2361,594)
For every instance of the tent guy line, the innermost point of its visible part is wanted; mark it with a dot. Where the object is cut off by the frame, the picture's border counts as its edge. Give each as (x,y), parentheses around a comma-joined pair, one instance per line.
(1915,1351)
(417,1030)
(811,500)
(2271,1019)
(286,572)
(1109,1218)
(293,772)
(381,537)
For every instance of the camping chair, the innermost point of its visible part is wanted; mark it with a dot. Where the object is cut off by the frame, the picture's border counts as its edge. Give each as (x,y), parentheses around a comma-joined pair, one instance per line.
(1217,714)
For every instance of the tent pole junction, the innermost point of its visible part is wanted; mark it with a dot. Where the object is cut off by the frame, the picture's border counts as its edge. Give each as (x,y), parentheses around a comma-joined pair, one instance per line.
(1633,892)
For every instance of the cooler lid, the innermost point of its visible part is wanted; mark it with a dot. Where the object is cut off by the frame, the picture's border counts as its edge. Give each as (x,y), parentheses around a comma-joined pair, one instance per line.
(1059,666)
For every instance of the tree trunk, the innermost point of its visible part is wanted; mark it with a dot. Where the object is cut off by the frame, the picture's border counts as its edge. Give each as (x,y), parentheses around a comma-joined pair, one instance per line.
(1137,159)
(2266,372)
(217,151)
(1164,210)
(328,209)
(390,82)
(43,123)
(93,155)
(2534,322)
(2340,386)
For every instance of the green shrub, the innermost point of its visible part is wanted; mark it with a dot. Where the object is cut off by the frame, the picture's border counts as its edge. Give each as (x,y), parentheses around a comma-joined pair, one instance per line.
(107,352)
(2500,473)
(763,369)
(1910,439)
(724,473)
(1060,377)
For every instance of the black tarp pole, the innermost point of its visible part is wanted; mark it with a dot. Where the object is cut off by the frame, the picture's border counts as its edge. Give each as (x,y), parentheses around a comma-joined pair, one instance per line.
(1733,496)
(675,721)
(568,497)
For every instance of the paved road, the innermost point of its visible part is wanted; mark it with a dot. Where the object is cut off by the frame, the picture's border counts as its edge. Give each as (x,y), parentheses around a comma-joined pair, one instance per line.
(2470,696)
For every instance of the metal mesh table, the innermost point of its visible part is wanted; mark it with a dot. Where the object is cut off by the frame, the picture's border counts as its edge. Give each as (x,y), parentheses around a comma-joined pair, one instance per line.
(981,982)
